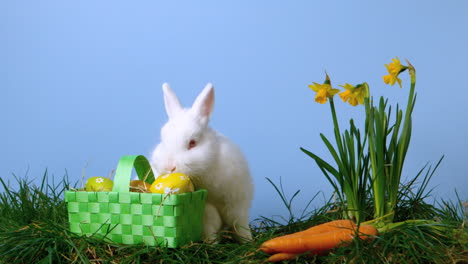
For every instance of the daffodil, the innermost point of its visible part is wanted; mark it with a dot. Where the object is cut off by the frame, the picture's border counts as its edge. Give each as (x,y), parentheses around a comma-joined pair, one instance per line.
(323,91)
(354,95)
(394,68)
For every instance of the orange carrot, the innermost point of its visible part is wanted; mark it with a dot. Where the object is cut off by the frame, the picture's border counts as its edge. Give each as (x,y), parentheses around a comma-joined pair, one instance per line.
(316,243)
(281,256)
(322,228)
(367,232)
(330,226)
(268,250)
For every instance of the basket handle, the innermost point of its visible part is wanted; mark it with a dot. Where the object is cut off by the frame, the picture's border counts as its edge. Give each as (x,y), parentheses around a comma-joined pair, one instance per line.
(124,172)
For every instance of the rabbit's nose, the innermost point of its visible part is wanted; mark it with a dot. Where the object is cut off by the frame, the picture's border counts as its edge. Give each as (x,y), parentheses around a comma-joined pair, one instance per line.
(170,165)
(170,168)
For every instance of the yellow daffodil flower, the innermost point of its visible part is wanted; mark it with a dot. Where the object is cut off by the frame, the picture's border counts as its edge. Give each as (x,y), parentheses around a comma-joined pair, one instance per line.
(354,95)
(323,91)
(394,68)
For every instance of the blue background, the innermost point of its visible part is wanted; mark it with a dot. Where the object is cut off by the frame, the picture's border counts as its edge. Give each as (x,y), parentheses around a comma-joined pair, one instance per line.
(81,82)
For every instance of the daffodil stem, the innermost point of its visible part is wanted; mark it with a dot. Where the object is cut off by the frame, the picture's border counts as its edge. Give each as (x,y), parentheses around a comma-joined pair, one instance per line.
(335,124)
(388,147)
(405,136)
(352,210)
(411,97)
(337,131)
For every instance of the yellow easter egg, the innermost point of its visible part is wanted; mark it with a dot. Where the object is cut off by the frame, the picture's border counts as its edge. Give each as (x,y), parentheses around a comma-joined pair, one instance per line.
(99,184)
(172,183)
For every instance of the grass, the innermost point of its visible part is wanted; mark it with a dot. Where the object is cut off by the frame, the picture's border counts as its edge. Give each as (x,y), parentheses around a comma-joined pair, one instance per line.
(34,229)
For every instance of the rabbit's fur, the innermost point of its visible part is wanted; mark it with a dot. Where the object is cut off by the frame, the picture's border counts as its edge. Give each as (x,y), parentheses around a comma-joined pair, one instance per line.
(188,145)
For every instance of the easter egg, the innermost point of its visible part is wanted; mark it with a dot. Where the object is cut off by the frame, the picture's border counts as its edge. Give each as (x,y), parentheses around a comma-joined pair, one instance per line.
(139,186)
(172,183)
(99,184)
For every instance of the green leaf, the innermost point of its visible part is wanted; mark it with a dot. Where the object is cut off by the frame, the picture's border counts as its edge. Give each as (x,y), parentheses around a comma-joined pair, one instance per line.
(321,162)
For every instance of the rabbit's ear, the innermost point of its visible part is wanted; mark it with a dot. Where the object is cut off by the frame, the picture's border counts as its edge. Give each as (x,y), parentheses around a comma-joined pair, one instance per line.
(204,103)
(170,101)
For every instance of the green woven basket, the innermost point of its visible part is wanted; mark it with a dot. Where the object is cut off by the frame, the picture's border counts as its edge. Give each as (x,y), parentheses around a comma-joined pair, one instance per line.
(132,218)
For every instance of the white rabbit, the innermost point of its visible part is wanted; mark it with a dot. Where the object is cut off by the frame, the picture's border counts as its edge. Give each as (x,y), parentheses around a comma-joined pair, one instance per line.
(188,145)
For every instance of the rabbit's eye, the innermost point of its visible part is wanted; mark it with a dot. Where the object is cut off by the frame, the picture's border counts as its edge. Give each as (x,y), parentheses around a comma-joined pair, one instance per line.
(192,144)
